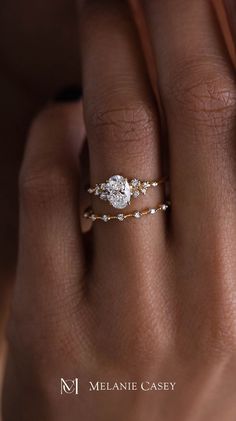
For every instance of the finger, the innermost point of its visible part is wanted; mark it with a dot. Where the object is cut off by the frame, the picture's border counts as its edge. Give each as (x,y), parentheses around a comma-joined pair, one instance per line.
(198,91)
(224,22)
(231,11)
(122,127)
(51,255)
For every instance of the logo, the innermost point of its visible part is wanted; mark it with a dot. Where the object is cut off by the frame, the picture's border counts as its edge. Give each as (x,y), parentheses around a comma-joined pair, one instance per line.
(70,386)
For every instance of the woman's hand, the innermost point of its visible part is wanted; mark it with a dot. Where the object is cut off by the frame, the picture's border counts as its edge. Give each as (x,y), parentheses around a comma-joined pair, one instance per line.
(149,299)
(39,57)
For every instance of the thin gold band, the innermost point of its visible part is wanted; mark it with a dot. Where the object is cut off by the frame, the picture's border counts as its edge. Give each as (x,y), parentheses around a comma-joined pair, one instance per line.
(89,214)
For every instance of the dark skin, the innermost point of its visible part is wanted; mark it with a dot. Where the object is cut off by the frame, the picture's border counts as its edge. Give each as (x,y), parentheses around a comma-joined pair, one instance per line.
(156,297)
(37,61)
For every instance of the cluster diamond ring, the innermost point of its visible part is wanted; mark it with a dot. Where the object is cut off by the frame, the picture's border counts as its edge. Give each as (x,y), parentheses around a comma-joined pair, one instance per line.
(119,191)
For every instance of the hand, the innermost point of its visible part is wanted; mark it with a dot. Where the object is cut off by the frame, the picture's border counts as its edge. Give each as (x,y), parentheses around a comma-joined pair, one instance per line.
(39,57)
(155,299)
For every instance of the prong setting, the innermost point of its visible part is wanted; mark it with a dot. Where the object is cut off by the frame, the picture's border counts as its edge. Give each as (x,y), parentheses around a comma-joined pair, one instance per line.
(119,191)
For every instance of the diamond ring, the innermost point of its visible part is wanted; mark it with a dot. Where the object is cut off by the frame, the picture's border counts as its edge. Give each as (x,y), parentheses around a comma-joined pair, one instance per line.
(89,214)
(118,190)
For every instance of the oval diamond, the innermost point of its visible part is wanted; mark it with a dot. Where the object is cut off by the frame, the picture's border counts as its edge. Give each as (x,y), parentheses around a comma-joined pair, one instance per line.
(118,191)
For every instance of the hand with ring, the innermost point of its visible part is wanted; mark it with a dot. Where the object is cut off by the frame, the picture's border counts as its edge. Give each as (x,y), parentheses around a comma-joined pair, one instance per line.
(150,298)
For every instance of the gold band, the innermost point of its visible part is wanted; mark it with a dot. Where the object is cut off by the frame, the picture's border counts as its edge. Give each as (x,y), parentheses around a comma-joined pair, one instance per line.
(121,216)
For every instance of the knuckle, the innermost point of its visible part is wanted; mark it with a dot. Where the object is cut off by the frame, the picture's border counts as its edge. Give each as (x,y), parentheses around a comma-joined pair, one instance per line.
(128,126)
(205,91)
(40,186)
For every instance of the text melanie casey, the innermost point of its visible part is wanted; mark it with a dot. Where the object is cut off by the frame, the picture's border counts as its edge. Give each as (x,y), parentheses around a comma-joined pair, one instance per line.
(145,386)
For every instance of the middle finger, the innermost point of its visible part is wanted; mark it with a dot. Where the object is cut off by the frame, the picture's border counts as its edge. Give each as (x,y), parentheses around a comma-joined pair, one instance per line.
(198,92)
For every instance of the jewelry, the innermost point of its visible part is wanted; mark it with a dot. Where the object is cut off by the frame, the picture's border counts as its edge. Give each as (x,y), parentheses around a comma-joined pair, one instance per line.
(122,216)
(118,190)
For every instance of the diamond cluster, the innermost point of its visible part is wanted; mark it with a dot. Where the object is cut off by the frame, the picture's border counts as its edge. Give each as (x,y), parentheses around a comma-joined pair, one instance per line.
(139,187)
(118,190)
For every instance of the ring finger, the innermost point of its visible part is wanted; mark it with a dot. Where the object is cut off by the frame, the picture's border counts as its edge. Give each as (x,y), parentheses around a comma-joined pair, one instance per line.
(122,127)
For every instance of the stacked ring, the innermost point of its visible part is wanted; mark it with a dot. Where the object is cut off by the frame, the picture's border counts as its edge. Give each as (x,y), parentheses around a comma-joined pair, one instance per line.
(118,191)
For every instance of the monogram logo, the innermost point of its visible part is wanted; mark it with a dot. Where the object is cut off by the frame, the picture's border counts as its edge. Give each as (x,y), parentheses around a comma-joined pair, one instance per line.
(70,386)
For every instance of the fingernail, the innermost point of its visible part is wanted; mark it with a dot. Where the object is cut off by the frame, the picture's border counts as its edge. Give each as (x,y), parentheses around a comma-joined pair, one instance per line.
(230,6)
(69,94)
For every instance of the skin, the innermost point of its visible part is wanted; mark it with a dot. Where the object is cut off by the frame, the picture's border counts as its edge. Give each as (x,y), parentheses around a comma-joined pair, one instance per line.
(150,299)
(29,76)
(27,80)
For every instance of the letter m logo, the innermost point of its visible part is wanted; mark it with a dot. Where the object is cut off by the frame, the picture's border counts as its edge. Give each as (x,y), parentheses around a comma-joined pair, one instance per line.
(69,386)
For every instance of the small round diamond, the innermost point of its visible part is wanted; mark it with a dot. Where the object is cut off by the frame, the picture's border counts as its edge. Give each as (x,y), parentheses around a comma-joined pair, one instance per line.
(153,210)
(155,184)
(103,196)
(105,218)
(137,214)
(136,193)
(134,182)
(97,191)
(93,217)
(120,216)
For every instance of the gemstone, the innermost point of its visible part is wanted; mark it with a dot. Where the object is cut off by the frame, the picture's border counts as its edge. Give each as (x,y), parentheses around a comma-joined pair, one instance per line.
(118,191)
(93,217)
(137,214)
(146,184)
(153,210)
(97,192)
(103,196)
(134,182)
(120,217)
(105,218)
(136,193)
(155,184)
